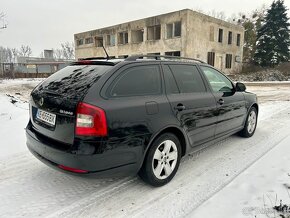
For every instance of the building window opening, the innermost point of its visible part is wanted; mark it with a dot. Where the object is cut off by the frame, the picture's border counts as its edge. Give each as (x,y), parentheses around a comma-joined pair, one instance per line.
(80,42)
(89,40)
(99,41)
(173,53)
(122,56)
(221,33)
(123,38)
(154,32)
(238,39)
(211,58)
(230,38)
(229,59)
(137,36)
(173,30)
(111,40)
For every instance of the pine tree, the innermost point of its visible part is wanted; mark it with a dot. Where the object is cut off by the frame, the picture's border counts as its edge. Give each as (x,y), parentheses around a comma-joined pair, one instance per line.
(273,40)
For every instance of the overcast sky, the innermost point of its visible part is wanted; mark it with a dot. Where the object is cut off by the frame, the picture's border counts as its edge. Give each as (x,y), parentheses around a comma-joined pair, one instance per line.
(44,24)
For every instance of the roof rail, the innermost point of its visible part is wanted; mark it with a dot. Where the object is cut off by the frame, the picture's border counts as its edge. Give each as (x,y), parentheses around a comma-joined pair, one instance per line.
(159,57)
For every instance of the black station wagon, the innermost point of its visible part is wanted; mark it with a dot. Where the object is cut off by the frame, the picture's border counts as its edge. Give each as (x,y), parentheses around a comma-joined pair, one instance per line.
(138,115)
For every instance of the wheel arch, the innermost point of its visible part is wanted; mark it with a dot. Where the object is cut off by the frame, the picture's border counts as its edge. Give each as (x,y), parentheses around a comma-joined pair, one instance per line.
(255,105)
(177,131)
(174,130)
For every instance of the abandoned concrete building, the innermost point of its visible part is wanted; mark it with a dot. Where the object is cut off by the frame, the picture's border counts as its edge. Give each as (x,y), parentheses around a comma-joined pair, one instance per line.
(184,33)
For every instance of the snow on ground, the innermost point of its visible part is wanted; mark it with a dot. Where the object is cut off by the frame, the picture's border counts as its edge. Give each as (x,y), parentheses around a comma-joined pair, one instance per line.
(228,179)
(255,191)
(13,118)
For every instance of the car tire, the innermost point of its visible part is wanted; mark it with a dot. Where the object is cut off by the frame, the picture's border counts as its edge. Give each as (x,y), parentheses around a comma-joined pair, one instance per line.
(162,160)
(250,124)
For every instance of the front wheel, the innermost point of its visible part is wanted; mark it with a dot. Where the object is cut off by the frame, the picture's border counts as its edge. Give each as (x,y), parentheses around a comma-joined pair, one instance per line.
(162,160)
(251,123)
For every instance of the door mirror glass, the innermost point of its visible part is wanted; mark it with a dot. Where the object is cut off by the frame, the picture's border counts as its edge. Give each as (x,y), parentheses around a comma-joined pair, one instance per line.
(240,87)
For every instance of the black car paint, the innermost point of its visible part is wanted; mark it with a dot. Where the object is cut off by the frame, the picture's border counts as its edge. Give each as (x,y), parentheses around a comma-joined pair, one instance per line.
(133,123)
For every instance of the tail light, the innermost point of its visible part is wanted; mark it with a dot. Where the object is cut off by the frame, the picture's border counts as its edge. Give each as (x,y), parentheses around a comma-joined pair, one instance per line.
(91,120)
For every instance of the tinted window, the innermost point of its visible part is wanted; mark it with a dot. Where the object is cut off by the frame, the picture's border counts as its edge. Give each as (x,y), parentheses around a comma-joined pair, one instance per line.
(140,80)
(188,78)
(171,86)
(73,81)
(218,81)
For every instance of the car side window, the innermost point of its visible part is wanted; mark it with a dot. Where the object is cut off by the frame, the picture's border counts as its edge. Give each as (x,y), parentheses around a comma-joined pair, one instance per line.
(217,81)
(170,83)
(137,81)
(187,78)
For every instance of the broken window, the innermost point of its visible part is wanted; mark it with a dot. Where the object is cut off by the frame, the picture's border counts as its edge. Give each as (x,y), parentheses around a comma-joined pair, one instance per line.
(238,39)
(123,38)
(111,40)
(80,42)
(99,41)
(154,32)
(137,36)
(211,33)
(173,30)
(211,58)
(89,40)
(173,53)
(221,33)
(229,58)
(230,38)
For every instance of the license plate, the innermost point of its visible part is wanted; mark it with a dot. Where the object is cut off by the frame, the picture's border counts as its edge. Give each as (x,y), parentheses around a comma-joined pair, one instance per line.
(46,117)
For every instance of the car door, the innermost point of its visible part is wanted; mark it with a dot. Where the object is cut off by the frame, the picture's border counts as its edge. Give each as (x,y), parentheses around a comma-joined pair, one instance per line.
(231,104)
(192,104)
(136,104)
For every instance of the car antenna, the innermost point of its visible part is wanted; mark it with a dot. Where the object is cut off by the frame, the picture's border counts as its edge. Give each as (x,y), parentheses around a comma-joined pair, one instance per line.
(108,57)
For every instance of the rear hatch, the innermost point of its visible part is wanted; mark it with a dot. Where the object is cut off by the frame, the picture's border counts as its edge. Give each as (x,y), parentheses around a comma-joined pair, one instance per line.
(53,102)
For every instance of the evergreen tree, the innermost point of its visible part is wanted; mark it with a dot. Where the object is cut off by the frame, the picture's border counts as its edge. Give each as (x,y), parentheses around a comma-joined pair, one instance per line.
(273,40)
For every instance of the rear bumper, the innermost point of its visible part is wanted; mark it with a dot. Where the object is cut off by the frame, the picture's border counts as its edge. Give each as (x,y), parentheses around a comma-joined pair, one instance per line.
(111,163)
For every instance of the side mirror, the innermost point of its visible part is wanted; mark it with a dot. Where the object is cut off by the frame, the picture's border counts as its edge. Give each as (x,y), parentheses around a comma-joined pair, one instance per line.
(240,87)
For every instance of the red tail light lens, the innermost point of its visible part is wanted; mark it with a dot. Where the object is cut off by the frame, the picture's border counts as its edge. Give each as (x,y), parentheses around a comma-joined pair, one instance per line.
(91,121)
(72,169)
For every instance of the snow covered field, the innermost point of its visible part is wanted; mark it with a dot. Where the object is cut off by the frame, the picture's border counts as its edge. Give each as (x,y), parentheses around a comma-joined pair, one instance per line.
(236,177)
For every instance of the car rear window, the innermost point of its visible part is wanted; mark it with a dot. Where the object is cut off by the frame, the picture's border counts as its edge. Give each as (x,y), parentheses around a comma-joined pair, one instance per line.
(73,79)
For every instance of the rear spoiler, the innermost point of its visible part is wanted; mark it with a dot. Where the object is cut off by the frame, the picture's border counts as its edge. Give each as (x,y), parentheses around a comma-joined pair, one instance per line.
(93,62)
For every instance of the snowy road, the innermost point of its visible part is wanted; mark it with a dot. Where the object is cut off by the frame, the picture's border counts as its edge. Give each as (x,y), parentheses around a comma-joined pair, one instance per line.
(30,189)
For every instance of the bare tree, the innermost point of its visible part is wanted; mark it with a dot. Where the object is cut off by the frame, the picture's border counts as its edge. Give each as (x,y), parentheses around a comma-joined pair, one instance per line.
(25,51)
(8,55)
(217,14)
(58,53)
(68,50)
(3,55)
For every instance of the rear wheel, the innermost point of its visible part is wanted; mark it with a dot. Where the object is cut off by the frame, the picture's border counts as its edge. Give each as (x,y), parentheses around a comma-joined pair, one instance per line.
(162,160)
(251,123)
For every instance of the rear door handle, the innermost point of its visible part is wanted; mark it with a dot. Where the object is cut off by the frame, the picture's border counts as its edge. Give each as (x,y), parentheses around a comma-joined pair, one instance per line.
(221,101)
(180,107)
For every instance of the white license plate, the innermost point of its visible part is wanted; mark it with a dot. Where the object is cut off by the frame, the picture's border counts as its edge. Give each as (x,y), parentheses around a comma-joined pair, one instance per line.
(46,117)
